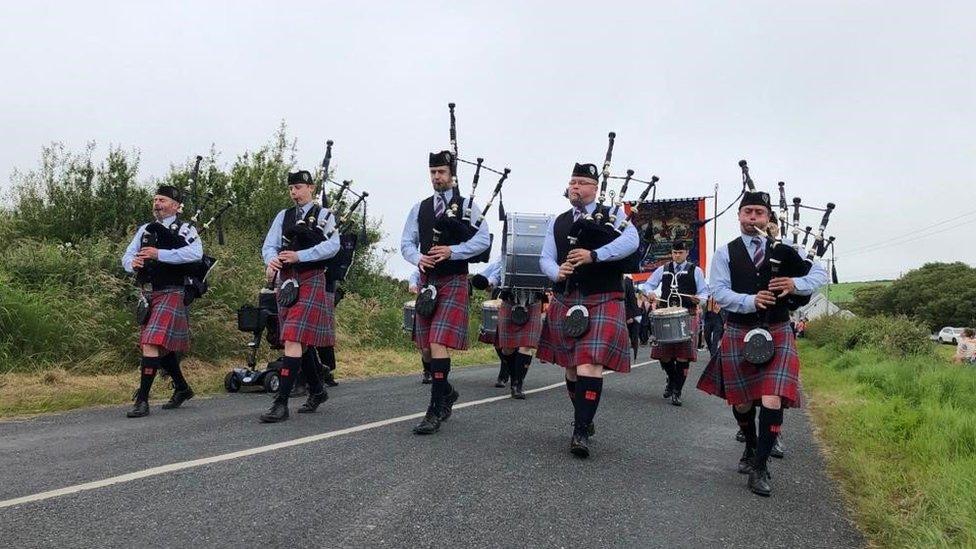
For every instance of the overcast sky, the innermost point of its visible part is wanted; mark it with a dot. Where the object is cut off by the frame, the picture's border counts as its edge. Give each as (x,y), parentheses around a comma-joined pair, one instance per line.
(871,105)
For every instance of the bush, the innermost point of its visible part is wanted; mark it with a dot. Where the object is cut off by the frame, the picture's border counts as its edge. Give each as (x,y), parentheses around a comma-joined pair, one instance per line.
(900,336)
(937,295)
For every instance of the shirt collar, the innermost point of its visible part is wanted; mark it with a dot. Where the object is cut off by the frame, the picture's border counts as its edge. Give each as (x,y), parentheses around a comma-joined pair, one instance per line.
(589,208)
(167,221)
(448,194)
(747,239)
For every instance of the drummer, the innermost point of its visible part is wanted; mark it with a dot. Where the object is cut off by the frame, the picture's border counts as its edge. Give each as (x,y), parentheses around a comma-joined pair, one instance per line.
(480,281)
(517,335)
(692,289)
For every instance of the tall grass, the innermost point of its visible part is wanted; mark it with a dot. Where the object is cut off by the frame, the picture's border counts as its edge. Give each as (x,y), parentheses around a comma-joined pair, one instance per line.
(901,432)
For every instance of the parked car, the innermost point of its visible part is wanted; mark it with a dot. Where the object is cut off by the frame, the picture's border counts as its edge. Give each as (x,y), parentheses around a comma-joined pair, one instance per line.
(949,335)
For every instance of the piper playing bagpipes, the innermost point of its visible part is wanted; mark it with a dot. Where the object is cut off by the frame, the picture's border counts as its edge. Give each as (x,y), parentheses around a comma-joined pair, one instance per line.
(585,330)
(757,364)
(296,251)
(162,254)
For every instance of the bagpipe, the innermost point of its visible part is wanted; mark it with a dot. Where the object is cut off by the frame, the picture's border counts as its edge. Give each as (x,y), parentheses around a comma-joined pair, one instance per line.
(455,225)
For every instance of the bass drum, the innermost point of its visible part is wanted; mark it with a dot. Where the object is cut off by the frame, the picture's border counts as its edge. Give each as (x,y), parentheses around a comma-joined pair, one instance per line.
(522,247)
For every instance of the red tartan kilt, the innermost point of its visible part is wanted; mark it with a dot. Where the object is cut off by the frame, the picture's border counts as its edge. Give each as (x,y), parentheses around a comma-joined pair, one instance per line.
(308,321)
(169,323)
(606,343)
(728,375)
(684,352)
(513,336)
(449,324)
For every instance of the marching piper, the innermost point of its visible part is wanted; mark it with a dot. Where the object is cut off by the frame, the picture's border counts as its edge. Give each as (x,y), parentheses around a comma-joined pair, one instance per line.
(160,253)
(688,281)
(442,305)
(587,283)
(742,284)
(296,251)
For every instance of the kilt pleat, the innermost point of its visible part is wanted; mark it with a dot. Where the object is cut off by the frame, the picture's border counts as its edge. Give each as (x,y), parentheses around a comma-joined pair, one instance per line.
(728,375)
(449,324)
(169,322)
(606,342)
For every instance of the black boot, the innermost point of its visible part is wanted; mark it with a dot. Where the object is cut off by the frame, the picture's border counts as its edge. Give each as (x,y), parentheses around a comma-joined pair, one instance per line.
(313,402)
(676,398)
(139,409)
(277,412)
(579,445)
(178,398)
(504,369)
(425,377)
(328,360)
(447,406)
(740,436)
(328,378)
(759,481)
(667,390)
(429,425)
(745,462)
(779,450)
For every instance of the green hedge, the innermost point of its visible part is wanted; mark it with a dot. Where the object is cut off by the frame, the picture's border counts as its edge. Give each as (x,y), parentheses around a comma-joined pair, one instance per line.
(900,335)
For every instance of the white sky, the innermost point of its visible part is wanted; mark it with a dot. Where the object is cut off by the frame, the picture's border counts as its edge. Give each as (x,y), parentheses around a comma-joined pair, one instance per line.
(871,105)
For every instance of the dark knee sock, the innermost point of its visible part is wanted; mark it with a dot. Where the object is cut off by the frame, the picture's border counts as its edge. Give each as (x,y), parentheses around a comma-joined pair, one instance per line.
(588,390)
(310,369)
(523,365)
(747,422)
(504,364)
(669,368)
(680,375)
(571,388)
(426,365)
(440,388)
(147,370)
(290,367)
(171,363)
(327,356)
(770,421)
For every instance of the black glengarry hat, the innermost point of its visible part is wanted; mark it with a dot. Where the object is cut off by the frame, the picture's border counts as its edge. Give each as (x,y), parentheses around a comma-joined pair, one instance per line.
(171,192)
(443,158)
(588,171)
(755,198)
(678,246)
(300,177)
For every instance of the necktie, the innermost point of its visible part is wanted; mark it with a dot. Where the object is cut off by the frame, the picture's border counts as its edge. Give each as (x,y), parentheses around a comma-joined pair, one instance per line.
(578,213)
(760,254)
(439,205)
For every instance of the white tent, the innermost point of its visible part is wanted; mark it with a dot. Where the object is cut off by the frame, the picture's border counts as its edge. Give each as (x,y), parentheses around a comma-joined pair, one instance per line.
(819,306)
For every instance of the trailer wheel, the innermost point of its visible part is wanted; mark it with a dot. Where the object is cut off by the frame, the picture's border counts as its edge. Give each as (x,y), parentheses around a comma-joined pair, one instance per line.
(232,383)
(271,382)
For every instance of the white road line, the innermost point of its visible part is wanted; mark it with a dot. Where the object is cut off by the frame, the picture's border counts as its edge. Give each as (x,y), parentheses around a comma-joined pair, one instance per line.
(181,465)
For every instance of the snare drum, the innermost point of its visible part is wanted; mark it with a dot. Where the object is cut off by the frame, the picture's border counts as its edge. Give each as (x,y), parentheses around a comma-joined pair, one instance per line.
(671,325)
(524,236)
(489,316)
(409,310)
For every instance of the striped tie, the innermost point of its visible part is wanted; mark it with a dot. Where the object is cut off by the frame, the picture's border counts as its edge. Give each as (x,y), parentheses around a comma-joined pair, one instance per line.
(760,253)
(578,213)
(439,205)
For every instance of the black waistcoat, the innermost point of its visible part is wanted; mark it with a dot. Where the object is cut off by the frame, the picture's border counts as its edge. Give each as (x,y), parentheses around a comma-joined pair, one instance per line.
(163,237)
(425,226)
(747,279)
(686,284)
(303,239)
(593,278)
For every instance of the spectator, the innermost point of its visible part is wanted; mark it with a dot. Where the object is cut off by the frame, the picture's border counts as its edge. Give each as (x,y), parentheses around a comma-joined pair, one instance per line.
(801,327)
(966,348)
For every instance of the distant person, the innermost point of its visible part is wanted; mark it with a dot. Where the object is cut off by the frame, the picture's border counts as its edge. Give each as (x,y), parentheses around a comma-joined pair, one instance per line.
(801,327)
(633,312)
(714,322)
(966,348)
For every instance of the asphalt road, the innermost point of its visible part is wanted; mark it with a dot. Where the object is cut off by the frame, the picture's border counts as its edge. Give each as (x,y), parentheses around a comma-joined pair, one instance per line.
(499,473)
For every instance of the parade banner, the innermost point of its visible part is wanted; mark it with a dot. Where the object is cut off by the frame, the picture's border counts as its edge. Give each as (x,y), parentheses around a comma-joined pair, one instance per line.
(662,222)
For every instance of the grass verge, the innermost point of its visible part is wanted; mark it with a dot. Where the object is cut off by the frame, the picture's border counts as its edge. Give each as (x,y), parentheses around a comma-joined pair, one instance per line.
(57,389)
(901,438)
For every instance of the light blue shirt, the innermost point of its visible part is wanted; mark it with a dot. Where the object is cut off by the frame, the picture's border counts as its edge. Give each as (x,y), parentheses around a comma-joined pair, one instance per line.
(720,279)
(322,250)
(493,272)
(657,277)
(186,254)
(621,247)
(410,239)
(414,279)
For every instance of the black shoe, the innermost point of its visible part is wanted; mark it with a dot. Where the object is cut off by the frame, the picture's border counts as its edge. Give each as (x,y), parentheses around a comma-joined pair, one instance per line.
(676,399)
(448,407)
(501,382)
(425,378)
(745,462)
(778,450)
(428,426)
(517,391)
(328,378)
(139,409)
(759,482)
(740,436)
(667,391)
(313,402)
(178,398)
(277,412)
(579,445)
(590,429)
